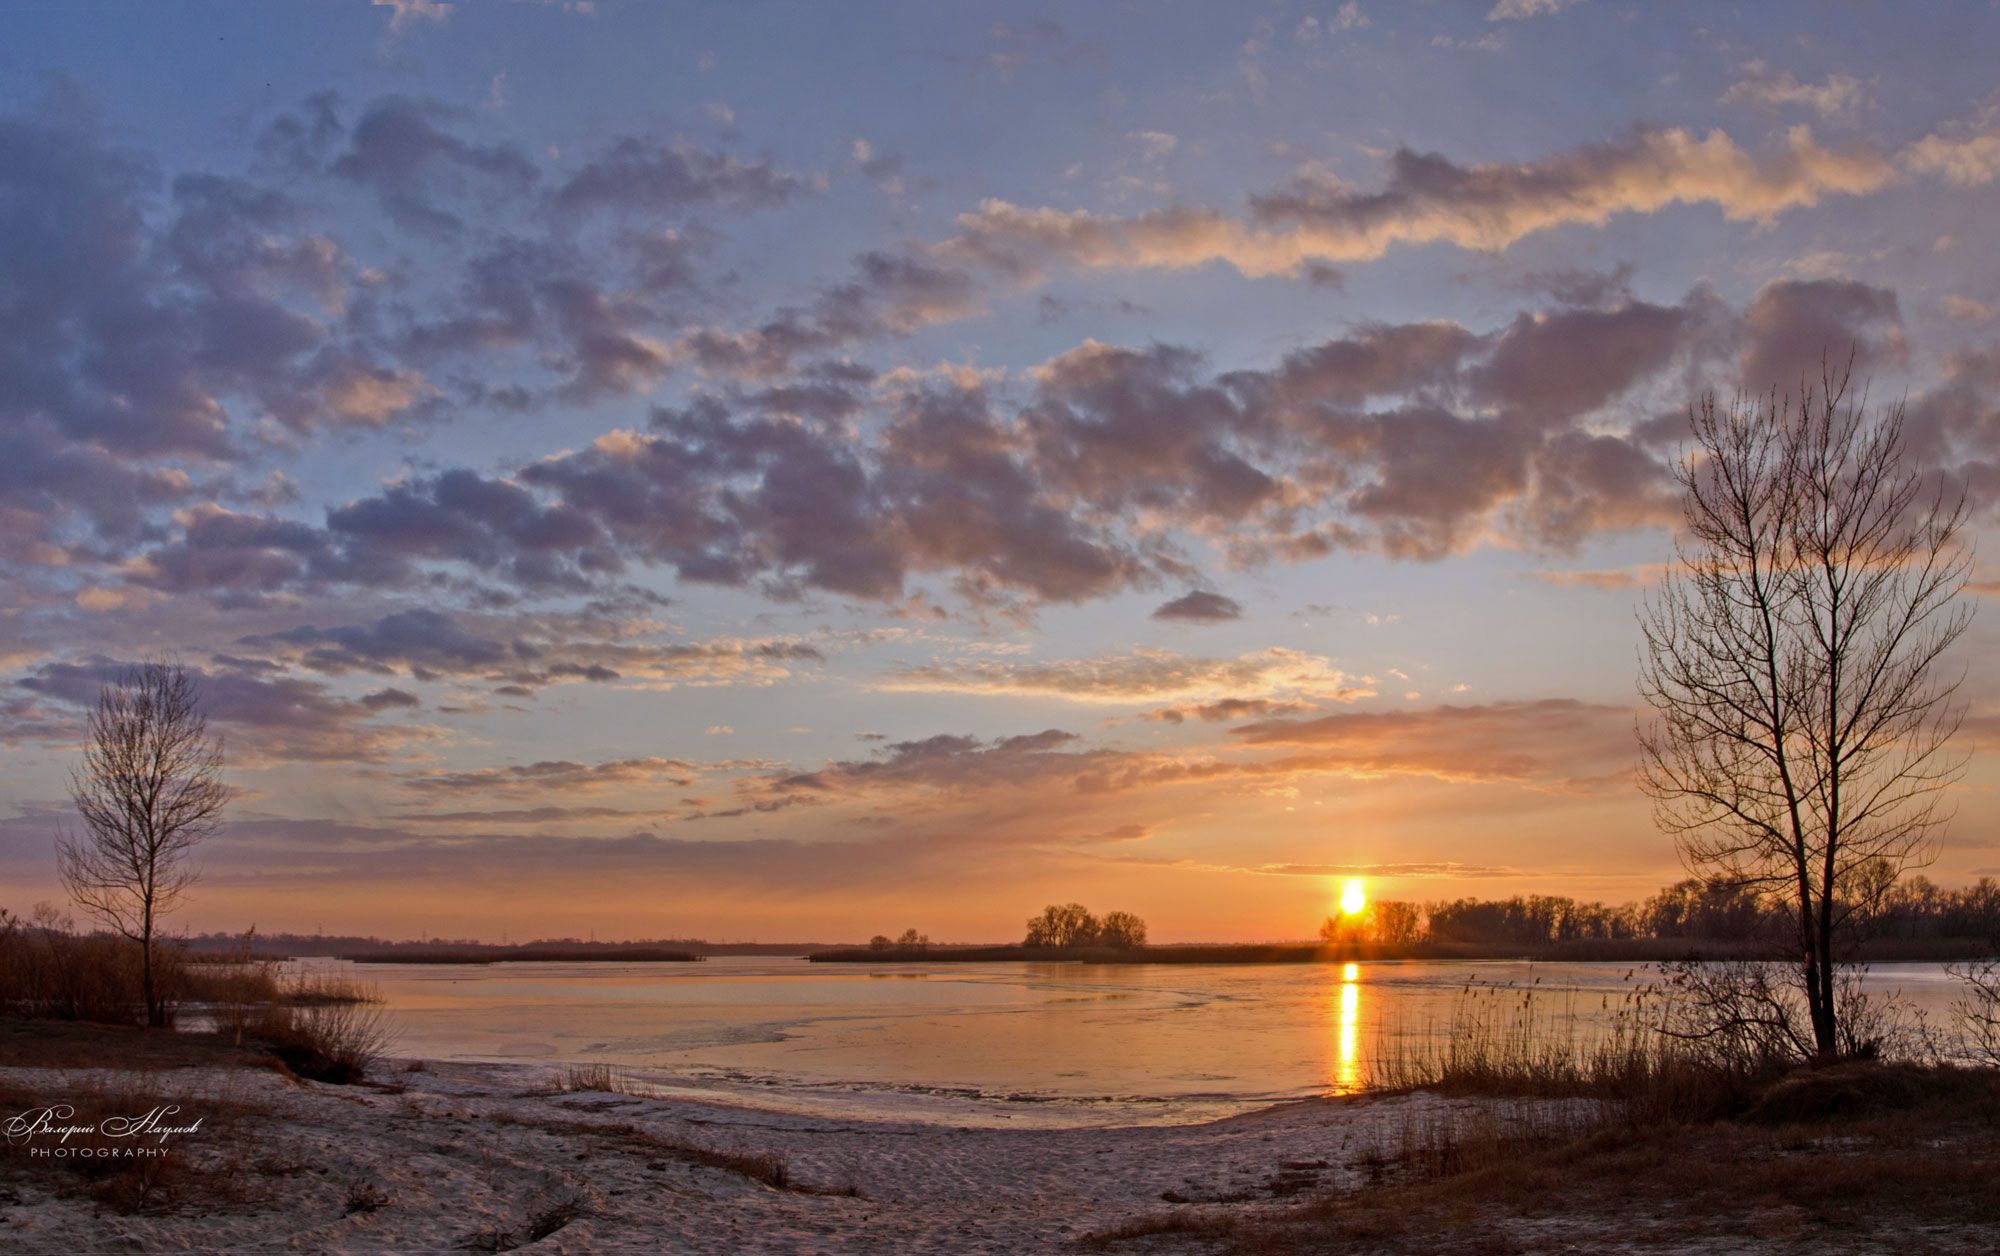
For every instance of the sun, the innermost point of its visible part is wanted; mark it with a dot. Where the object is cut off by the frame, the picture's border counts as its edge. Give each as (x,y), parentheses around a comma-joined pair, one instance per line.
(1353,897)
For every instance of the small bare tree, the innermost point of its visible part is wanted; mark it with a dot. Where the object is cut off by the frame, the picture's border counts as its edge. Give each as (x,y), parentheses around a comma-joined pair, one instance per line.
(1794,661)
(149,790)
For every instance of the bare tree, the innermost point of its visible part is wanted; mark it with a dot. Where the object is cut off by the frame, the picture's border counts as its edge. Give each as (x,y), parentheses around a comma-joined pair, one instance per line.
(150,789)
(1794,661)
(1121,929)
(1065,925)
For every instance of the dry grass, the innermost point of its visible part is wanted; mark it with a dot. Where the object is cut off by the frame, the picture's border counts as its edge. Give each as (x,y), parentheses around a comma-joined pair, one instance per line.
(49,972)
(1852,1154)
(1606,1130)
(73,1045)
(597,1077)
(197,1172)
(760,1167)
(1531,1044)
(324,1042)
(318,987)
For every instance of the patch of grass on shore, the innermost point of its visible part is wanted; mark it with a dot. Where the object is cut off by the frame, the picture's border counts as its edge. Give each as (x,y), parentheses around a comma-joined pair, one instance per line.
(1635,1138)
(606,1078)
(1912,1163)
(197,1172)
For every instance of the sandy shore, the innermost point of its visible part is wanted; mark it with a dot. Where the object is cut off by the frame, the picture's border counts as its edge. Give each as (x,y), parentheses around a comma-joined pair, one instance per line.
(481,1157)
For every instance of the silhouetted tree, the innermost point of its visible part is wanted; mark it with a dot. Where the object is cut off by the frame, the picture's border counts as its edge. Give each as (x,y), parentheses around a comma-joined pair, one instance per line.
(912,940)
(1121,929)
(149,790)
(1713,908)
(1338,929)
(880,942)
(1069,924)
(1793,661)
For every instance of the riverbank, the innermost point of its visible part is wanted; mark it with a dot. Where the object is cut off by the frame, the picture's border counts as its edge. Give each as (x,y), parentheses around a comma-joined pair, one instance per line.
(437,1156)
(1594,951)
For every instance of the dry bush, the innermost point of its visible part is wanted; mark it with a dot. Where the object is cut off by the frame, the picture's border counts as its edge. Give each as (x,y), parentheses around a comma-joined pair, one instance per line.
(1978,1007)
(608,1078)
(325,1042)
(587,1077)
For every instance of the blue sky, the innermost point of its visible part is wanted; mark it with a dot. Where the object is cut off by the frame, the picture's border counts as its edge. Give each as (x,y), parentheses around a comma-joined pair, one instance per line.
(777,469)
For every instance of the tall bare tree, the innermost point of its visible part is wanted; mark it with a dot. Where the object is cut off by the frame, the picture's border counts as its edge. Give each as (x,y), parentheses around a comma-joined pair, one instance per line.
(1795,661)
(149,790)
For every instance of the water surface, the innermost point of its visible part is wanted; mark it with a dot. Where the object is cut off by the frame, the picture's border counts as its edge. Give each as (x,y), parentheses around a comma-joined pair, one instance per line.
(1003,1043)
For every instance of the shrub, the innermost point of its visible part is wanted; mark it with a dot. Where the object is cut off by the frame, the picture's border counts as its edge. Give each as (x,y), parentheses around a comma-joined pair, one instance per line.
(325,1042)
(1978,1007)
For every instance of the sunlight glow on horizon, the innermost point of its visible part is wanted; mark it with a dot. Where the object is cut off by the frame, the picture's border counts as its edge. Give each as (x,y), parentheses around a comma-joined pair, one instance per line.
(1353,896)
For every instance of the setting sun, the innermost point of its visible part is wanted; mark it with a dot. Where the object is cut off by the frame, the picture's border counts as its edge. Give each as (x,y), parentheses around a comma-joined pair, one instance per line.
(1353,897)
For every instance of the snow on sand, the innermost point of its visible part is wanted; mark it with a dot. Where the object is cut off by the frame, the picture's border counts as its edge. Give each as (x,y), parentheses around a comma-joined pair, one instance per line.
(487,1157)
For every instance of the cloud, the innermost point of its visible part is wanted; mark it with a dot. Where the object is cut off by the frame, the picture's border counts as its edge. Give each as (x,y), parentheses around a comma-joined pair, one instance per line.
(1430,199)
(1967,156)
(402,150)
(1524,10)
(1436,870)
(1796,328)
(1414,440)
(1015,46)
(525,652)
(945,762)
(1227,709)
(889,294)
(1552,741)
(404,14)
(549,776)
(1142,675)
(265,715)
(638,175)
(1200,606)
(1642,576)
(1838,96)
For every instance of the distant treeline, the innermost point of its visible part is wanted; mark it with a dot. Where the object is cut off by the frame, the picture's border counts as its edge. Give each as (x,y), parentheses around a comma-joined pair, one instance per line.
(629,953)
(1634,950)
(371,950)
(1912,919)
(1887,912)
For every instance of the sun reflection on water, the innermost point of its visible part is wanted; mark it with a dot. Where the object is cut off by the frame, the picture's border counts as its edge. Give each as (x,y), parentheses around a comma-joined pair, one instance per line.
(1347,1065)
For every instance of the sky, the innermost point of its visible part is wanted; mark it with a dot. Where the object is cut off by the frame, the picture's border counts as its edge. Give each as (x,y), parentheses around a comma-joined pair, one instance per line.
(804,470)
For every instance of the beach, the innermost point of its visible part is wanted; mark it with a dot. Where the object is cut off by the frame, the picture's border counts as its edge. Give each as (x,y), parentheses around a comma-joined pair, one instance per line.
(480,1157)
(222,1150)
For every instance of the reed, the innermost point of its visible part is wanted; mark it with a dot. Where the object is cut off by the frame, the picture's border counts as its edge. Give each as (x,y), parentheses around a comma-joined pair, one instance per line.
(1529,1043)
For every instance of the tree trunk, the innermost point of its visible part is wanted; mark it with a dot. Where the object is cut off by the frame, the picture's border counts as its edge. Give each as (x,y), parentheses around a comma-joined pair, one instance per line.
(155,1016)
